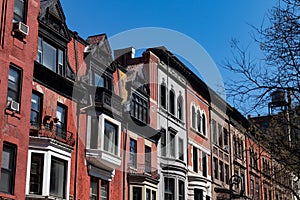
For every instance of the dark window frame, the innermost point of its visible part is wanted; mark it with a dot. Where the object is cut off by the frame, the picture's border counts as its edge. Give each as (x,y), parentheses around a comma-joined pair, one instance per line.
(61,124)
(163,95)
(59,68)
(133,153)
(172,102)
(38,175)
(38,111)
(17,84)
(94,188)
(140,108)
(104,188)
(195,159)
(169,188)
(23,16)
(147,159)
(180,107)
(204,164)
(11,171)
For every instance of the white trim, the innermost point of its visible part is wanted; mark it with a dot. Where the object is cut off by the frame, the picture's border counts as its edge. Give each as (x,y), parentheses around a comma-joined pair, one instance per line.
(207,151)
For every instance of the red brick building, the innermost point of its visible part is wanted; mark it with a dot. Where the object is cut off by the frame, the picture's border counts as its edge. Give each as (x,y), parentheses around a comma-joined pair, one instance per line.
(18,47)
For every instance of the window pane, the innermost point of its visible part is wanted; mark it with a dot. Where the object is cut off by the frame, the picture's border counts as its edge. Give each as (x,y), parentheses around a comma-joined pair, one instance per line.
(58,177)
(104,190)
(98,80)
(153,195)
(195,159)
(204,164)
(169,189)
(163,95)
(148,194)
(137,193)
(8,169)
(180,151)
(94,133)
(36,173)
(147,159)
(172,145)
(203,124)
(49,56)
(163,144)
(14,84)
(61,123)
(133,150)
(181,190)
(198,194)
(35,109)
(110,138)
(93,188)
(172,102)
(19,10)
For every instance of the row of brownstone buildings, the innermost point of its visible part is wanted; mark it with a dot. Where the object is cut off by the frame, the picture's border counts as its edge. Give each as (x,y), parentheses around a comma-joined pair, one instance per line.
(78,123)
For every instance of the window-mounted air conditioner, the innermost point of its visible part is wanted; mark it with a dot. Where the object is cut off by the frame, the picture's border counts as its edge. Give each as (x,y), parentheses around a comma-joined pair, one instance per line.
(13,105)
(21,28)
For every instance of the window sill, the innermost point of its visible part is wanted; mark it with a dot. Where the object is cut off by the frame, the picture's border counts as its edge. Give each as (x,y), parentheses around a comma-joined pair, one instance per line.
(199,133)
(6,196)
(12,113)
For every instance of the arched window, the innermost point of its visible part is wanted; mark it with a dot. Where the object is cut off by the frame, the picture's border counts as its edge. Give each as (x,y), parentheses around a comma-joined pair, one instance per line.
(180,107)
(193,116)
(172,102)
(198,121)
(203,124)
(163,91)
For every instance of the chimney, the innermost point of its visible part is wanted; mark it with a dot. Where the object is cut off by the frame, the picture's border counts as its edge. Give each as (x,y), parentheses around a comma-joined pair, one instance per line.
(123,55)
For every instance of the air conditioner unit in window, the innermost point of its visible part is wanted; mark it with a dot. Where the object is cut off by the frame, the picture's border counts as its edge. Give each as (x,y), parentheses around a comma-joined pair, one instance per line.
(22,28)
(13,105)
(226,148)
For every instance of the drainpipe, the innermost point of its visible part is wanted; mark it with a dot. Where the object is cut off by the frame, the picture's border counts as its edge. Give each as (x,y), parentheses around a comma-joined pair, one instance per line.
(124,160)
(77,119)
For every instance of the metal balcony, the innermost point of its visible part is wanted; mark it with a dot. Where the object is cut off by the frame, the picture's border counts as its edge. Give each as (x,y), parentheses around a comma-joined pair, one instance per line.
(144,171)
(49,130)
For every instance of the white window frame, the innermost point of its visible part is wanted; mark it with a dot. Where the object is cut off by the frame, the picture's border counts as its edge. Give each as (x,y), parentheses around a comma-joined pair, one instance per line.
(48,154)
(101,128)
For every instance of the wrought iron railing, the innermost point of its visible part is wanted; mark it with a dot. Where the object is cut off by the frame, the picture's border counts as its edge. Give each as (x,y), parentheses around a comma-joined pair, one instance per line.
(143,170)
(50,130)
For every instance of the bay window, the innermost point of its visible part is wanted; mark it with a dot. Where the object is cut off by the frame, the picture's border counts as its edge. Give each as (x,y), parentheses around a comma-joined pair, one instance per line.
(51,56)
(58,175)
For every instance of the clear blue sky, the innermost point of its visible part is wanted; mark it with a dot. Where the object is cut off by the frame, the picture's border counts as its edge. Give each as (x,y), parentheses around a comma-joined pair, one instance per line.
(211,23)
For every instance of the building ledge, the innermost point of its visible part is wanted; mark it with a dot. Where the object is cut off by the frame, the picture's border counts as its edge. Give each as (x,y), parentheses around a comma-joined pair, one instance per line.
(103,159)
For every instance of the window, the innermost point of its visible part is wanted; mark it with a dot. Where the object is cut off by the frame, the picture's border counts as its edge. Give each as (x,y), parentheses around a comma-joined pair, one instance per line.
(94,133)
(140,108)
(104,190)
(195,159)
(257,190)
(226,174)
(101,80)
(203,124)
(204,164)
(265,193)
(36,109)
(172,145)
(252,188)
(148,194)
(215,165)
(110,137)
(58,177)
(181,188)
(225,132)
(198,194)
(198,121)
(172,102)
(163,144)
(214,130)
(14,85)
(137,193)
(20,10)
(51,57)
(180,107)
(147,159)
(221,170)
(8,167)
(169,189)
(163,97)
(94,188)
(220,135)
(61,124)
(180,149)
(36,173)
(193,116)
(153,195)
(133,151)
